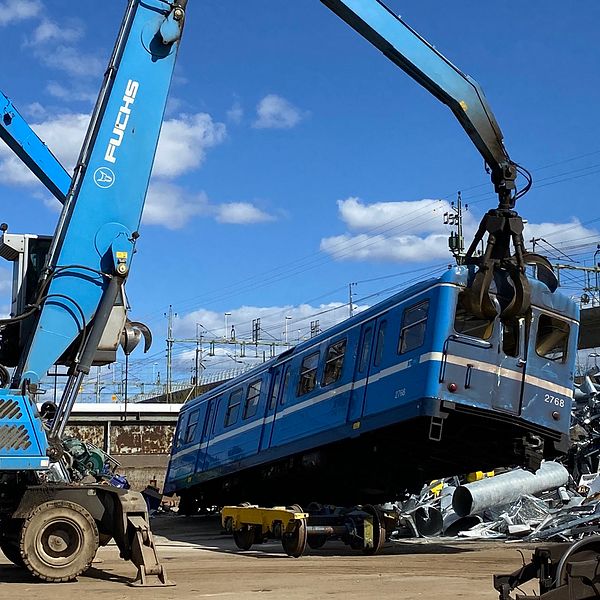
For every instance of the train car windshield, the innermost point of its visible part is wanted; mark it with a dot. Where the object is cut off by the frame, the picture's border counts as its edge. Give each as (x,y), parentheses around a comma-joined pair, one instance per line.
(552,338)
(468,324)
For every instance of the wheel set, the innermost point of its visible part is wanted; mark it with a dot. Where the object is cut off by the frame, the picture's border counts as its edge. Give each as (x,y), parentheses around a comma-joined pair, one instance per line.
(361,528)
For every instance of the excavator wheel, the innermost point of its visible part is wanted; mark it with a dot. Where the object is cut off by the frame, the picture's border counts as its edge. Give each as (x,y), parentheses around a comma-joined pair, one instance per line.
(58,541)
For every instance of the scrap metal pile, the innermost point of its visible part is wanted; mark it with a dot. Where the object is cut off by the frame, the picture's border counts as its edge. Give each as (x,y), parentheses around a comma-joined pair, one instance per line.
(559,502)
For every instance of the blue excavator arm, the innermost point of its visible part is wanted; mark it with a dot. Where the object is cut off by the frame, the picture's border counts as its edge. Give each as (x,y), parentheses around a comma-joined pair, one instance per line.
(419,59)
(23,141)
(503,226)
(92,249)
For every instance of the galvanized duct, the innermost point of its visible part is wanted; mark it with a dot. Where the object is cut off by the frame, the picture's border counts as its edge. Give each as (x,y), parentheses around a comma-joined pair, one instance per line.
(476,497)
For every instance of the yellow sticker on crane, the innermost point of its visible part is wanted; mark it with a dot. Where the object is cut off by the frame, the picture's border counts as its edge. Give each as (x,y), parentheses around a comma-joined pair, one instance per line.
(464,105)
(122,255)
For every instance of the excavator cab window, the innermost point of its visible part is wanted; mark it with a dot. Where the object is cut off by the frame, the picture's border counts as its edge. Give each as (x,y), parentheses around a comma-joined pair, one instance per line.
(468,324)
(36,260)
(552,339)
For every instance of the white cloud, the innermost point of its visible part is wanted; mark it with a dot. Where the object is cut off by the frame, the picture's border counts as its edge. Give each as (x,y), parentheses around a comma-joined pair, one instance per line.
(170,206)
(236,113)
(418,215)
(173,207)
(415,231)
(12,11)
(49,31)
(272,320)
(275,112)
(62,134)
(558,233)
(364,247)
(183,143)
(72,92)
(241,213)
(71,60)
(411,231)
(182,147)
(35,110)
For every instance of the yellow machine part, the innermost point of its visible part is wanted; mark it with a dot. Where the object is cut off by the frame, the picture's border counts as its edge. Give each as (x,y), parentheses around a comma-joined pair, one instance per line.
(257,515)
(479,475)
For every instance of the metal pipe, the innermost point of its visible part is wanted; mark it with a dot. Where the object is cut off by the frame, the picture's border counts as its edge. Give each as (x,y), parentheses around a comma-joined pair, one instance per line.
(476,497)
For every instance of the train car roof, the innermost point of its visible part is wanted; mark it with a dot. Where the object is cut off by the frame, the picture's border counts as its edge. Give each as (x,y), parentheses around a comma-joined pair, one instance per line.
(455,275)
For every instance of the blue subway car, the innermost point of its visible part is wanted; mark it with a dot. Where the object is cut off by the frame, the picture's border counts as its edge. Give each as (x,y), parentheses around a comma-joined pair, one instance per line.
(410,389)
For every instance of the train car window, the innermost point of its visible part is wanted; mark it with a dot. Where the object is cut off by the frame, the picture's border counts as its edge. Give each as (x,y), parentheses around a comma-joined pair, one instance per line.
(275,390)
(233,407)
(252,398)
(208,418)
(334,361)
(190,430)
(414,323)
(468,324)
(179,435)
(286,381)
(380,343)
(215,413)
(510,337)
(552,338)
(308,374)
(365,350)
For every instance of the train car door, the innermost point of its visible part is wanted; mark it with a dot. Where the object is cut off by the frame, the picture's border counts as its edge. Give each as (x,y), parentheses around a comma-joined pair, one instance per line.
(275,379)
(508,392)
(548,384)
(361,371)
(204,462)
(483,358)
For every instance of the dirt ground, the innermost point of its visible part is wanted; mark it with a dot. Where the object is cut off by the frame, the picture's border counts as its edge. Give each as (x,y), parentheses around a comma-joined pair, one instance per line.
(206,564)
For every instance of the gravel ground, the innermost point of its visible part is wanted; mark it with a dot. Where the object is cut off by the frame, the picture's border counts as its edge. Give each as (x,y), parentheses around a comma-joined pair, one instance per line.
(206,564)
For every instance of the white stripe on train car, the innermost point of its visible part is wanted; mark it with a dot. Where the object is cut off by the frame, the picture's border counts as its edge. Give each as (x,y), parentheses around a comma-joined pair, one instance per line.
(498,370)
(428,357)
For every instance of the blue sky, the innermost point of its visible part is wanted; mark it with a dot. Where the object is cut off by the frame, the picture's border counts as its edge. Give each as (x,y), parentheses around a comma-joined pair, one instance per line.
(296,159)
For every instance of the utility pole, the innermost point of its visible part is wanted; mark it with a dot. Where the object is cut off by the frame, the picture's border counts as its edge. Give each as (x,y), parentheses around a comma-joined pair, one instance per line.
(350,306)
(98,385)
(456,241)
(198,357)
(170,342)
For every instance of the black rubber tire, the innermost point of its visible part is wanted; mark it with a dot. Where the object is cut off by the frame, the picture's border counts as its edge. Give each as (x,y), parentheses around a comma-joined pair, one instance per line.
(12,552)
(244,537)
(59,541)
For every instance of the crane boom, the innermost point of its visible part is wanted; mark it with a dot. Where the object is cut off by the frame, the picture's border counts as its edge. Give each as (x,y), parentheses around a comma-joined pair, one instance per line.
(23,141)
(503,226)
(428,67)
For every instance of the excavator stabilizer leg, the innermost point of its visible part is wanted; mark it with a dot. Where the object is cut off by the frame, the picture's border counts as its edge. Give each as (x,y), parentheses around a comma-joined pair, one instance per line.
(151,573)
